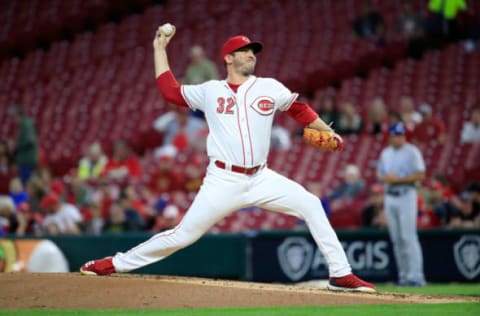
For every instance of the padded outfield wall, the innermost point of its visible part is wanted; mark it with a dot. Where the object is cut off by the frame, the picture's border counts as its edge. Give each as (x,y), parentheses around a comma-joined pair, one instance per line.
(449,255)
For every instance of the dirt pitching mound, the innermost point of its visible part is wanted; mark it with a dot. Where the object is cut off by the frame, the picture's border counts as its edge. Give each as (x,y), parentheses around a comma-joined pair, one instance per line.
(74,291)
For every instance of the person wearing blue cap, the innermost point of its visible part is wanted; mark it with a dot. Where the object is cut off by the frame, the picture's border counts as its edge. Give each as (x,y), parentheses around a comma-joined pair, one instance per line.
(400,167)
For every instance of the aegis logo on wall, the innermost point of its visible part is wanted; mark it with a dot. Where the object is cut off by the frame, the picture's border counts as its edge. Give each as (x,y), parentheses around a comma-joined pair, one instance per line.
(263,106)
(297,256)
(467,256)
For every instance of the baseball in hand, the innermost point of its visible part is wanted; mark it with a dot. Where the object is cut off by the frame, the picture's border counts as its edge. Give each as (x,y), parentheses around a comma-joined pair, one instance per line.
(167,29)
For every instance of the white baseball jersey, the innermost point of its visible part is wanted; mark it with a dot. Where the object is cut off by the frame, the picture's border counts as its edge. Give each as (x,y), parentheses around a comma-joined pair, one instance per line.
(240,123)
(240,128)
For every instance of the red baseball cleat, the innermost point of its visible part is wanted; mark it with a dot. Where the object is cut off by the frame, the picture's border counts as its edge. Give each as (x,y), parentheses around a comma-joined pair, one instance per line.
(98,267)
(350,283)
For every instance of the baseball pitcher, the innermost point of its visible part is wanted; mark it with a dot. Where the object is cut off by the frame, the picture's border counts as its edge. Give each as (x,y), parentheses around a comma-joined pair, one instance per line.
(239,111)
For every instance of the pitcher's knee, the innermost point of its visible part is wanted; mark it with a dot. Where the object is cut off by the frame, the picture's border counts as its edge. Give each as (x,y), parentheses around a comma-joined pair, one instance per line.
(311,204)
(184,237)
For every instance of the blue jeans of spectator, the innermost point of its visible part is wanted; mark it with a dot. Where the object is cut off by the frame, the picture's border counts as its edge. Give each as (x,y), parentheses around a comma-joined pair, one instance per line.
(25,172)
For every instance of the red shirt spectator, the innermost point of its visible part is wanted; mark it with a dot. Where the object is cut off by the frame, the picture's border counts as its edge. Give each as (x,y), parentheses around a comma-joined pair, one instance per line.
(166,177)
(167,219)
(431,128)
(123,164)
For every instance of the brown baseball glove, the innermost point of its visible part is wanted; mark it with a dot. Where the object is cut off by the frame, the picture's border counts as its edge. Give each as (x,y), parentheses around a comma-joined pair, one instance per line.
(323,139)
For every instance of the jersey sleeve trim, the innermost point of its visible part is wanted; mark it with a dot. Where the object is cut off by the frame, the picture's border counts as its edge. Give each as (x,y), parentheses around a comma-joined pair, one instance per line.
(185,98)
(290,101)
(170,89)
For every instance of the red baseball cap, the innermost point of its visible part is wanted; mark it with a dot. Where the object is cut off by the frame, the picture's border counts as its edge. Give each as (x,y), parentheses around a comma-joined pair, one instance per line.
(49,200)
(240,41)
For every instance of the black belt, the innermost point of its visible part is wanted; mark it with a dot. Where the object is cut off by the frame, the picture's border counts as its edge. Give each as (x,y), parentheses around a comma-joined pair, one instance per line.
(398,191)
(238,169)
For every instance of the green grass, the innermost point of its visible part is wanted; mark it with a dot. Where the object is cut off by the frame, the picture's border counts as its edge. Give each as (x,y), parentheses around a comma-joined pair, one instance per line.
(383,310)
(465,289)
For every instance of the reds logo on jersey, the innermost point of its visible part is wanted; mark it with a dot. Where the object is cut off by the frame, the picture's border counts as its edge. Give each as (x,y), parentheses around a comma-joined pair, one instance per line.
(263,105)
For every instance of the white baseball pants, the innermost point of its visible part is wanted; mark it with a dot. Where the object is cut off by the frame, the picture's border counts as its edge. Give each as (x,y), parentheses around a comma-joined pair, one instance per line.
(224,192)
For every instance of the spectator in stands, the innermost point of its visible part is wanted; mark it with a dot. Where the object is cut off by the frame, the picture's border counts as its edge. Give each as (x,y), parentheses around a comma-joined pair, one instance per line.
(411,25)
(105,194)
(396,117)
(123,165)
(117,221)
(442,22)
(410,116)
(78,192)
(369,24)
(46,177)
(474,190)
(326,107)
(18,194)
(122,219)
(281,138)
(200,69)
(430,129)
(426,217)
(350,121)
(443,180)
(6,151)
(467,211)
(181,129)
(41,183)
(95,224)
(168,218)
(377,116)
(316,188)
(472,26)
(373,214)
(11,221)
(133,201)
(35,190)
(471,128)
(91,166)
(60,218)
(26,145)
(6,173)
(436,198)
(194,173)
(166,177)
(6,167)
(351,186)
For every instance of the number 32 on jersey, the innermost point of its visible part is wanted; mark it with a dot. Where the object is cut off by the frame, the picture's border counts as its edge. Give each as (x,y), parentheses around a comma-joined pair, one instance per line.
(225,105)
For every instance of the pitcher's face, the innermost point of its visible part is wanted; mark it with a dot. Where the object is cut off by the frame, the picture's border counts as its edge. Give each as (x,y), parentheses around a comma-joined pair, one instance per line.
(244,61)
